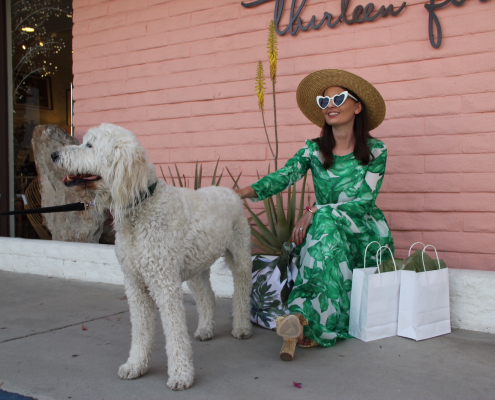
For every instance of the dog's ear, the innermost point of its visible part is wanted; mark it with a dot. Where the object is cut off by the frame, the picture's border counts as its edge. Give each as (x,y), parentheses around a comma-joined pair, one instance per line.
(129,177)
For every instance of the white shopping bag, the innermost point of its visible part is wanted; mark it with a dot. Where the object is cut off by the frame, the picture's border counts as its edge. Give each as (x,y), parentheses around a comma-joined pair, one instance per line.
(424,308)
(374,301)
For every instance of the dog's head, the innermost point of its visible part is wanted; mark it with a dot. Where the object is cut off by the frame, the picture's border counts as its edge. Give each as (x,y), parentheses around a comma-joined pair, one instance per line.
(110,161)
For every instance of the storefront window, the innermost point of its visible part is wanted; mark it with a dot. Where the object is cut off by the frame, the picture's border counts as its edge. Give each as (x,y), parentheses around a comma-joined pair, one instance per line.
(41,80)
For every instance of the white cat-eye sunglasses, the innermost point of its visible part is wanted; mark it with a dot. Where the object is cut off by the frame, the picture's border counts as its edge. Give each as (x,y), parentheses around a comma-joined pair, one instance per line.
(337,100)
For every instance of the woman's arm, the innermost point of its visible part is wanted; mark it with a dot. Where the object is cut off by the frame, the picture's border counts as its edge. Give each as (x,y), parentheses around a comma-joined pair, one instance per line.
(278,181)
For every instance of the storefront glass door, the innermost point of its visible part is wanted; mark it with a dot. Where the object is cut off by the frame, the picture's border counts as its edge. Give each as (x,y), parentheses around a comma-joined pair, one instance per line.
(41,43)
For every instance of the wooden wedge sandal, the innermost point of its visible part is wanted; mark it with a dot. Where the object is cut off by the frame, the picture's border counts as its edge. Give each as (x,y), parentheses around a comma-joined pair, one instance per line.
(290,327)
(307,343)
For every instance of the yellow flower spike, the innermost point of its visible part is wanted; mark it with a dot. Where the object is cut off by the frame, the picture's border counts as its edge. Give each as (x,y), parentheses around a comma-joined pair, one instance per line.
(260,91)
(272,51)
(260,85)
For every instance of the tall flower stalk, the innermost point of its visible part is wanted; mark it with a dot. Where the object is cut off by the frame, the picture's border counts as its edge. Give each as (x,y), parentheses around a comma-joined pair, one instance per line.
(260,91)
(272,57)
(280,222)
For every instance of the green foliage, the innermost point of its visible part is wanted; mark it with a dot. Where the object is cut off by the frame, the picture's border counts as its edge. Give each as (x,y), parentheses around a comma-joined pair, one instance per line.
(388,265)
(415,263)
(412,263)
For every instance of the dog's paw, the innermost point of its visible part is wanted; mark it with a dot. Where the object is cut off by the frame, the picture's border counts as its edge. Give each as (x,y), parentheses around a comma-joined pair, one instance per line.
(131,371)
(242,333)
(180,382)
(203,334)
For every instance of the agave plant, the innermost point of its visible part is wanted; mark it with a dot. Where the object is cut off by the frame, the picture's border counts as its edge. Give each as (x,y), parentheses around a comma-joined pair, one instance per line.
(198,176)
(270,239)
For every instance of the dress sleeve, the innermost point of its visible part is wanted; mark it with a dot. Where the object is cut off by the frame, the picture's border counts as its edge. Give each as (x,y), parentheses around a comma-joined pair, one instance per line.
(367,193)
(280,180)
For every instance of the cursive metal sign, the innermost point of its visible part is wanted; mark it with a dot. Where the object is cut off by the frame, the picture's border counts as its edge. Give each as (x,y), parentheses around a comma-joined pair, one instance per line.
(359,15)
(433,19)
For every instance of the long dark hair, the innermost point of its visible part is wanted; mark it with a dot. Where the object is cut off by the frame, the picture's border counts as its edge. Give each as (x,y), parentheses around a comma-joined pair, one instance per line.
(326,141)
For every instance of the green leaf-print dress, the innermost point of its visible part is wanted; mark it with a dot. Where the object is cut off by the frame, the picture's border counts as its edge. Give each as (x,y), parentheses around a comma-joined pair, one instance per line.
(346,221)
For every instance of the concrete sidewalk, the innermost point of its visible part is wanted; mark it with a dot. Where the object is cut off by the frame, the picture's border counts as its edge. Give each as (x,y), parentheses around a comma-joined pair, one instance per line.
(45,353)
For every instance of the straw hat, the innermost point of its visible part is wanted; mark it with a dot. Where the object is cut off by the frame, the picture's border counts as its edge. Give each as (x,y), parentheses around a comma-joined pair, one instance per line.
(316,83)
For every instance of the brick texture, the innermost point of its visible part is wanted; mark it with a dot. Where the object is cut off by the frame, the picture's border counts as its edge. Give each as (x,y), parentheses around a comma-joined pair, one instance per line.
(181,75)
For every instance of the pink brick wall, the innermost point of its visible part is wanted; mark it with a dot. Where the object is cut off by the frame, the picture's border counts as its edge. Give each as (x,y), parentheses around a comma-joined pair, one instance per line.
(180,74)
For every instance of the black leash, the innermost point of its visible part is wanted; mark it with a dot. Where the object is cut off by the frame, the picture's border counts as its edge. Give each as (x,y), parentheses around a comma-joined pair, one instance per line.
(81,206)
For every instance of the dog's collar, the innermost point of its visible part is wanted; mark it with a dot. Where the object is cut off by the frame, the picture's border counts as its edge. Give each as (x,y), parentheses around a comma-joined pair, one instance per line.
(145,195)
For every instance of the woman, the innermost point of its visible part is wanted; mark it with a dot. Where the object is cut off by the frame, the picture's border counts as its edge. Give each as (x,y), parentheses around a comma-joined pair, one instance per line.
(348,166)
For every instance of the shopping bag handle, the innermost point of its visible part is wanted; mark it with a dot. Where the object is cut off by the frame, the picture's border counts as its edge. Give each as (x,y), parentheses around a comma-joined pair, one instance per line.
(408,254)
(379,246)
(380,251)
(423,256)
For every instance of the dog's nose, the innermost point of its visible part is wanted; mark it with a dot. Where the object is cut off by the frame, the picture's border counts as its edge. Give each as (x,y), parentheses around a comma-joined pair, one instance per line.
(54,156)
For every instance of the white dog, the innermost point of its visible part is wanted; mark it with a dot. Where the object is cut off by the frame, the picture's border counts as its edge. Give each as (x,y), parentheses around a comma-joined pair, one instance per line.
(164,236)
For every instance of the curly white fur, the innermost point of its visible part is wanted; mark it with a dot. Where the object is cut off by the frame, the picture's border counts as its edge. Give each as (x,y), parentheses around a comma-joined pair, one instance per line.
(172,236)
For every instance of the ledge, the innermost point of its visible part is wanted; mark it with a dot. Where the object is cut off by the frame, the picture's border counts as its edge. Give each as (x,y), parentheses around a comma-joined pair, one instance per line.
(84,261)
(472,298)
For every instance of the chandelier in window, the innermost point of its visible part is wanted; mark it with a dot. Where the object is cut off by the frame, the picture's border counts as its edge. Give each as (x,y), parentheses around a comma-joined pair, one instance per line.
(32,44)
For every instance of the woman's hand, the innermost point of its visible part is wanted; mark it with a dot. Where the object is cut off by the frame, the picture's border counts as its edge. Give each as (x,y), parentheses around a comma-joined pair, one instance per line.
(301,227)
(246,192)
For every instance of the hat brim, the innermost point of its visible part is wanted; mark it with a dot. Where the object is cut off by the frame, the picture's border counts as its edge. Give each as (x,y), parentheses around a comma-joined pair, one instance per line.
(316,83)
